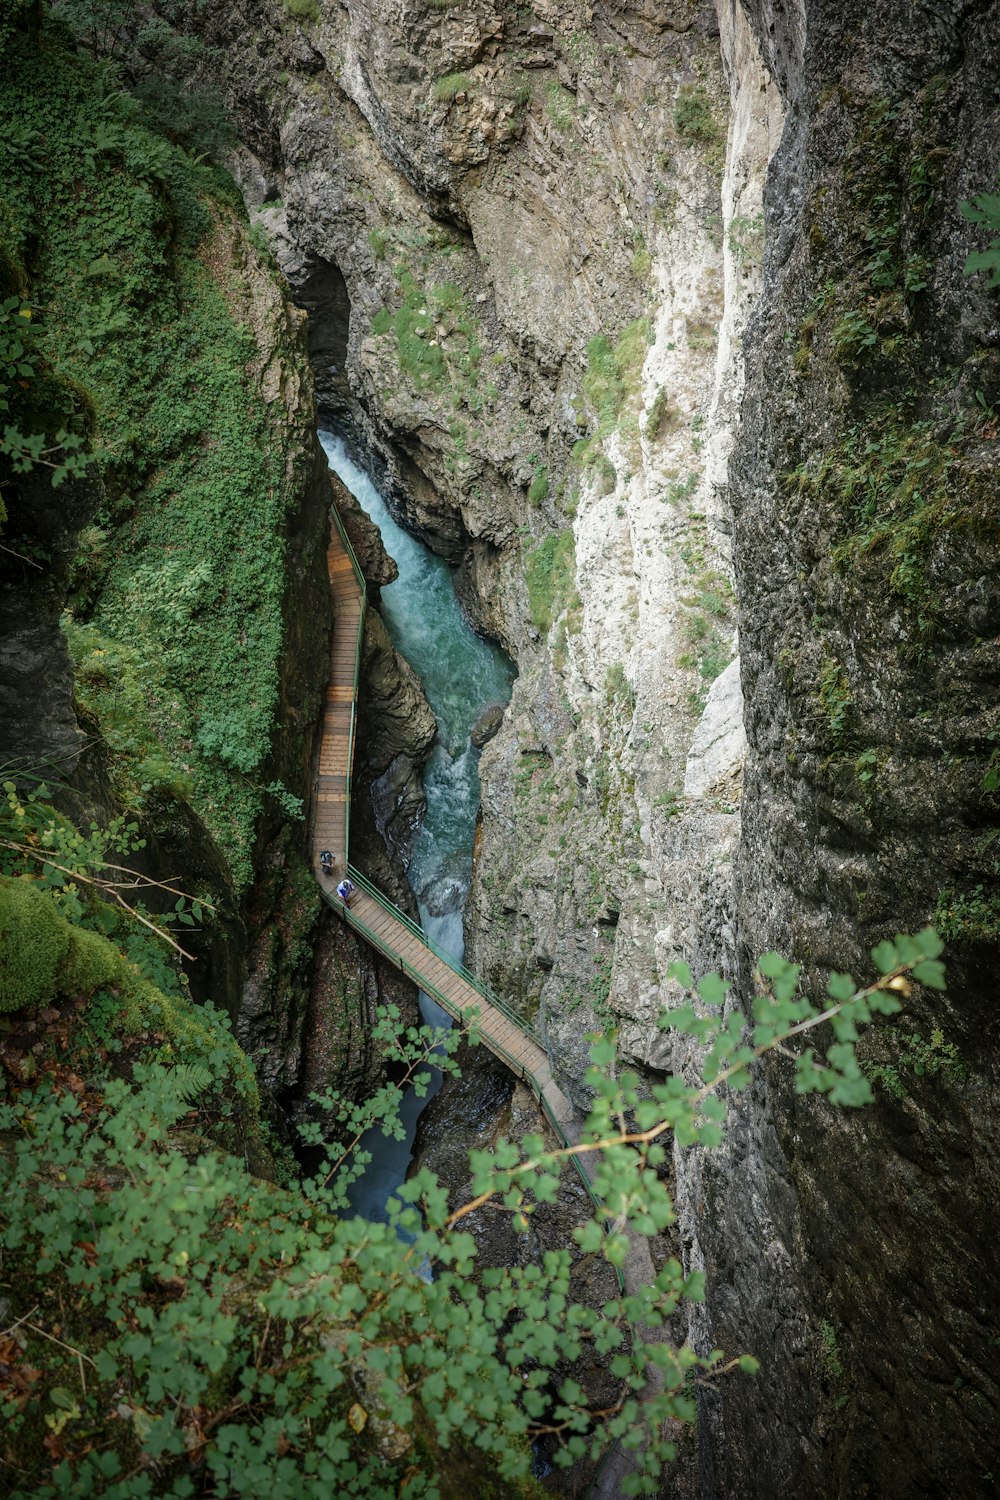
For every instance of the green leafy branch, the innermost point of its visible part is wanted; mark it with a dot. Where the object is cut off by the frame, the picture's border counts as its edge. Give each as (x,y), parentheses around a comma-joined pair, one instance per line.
(234,1313)
(984,210)
(694,1115)
(22,374)
(68,858)
(414,1050)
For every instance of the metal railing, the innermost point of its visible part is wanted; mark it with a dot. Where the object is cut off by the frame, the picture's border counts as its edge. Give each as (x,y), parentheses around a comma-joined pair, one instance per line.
(421,980)
(457,968)
(515,1064)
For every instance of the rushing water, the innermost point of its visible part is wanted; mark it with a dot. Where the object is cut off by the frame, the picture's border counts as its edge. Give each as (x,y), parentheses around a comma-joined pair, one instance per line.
(461,674)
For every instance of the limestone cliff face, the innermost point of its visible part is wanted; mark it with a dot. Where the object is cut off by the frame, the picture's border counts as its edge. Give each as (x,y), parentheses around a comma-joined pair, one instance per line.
(856,1251)
(479,206)
(545,289)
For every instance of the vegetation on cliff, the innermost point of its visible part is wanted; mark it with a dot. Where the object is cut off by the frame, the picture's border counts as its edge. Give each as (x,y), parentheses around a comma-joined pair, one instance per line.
(174,1325)
(128,257)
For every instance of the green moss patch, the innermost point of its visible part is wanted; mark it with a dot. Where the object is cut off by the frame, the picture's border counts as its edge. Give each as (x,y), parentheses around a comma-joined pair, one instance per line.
(550,573)
(897,487)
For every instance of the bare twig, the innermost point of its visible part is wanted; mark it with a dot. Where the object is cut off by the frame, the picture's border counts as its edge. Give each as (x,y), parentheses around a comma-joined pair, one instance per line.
(21,557)
(78,1354)
(29,1314)
(114,888)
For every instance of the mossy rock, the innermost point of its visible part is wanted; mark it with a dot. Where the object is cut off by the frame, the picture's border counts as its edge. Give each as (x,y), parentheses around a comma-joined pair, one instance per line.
(43,956)
(34,941)
(91,963)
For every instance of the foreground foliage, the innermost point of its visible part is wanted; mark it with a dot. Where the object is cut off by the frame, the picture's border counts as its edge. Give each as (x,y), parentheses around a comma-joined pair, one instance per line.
(177,1327)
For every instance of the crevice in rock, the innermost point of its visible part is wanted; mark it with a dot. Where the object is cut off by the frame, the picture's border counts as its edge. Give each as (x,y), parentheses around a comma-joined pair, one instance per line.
(322,291)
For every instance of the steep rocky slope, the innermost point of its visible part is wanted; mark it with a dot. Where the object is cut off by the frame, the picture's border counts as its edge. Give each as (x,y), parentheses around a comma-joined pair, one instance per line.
(568,454)
(530,242)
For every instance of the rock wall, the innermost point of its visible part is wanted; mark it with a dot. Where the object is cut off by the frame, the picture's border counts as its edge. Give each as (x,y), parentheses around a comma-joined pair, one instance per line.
(854,1253)
(37,722)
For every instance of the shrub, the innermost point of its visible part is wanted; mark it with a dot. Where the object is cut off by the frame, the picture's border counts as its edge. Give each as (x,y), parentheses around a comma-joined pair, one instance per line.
(746,238)
(696,122)
(450,86)
(694,116)
(655,415)
(971,915)
(852,335)
(560,106)
(302,10)
(288,1349)
(835,699)
(613,371)
(984,211)
(539,488)
(550,572)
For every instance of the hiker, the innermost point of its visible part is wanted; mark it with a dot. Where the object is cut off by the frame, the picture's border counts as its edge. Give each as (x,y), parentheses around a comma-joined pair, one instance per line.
(326,862)
(345,890)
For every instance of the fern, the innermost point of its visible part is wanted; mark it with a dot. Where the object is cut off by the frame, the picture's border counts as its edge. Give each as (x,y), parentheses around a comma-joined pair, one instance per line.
(191,1079)
(984,211)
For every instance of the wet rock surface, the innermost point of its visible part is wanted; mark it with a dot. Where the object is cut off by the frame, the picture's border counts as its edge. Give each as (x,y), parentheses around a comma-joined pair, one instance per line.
(38,727)
(855,1249)
(396,728)
(487,725)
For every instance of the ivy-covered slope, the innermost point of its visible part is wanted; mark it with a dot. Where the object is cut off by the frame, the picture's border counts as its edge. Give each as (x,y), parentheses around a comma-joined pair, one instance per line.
(141,322)
(175,348)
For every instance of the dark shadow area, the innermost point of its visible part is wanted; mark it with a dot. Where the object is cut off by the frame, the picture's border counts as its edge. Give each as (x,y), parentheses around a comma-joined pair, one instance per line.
(322,291)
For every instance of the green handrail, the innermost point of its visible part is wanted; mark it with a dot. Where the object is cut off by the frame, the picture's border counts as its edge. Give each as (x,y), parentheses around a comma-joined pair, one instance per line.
(446,958)
(421,980)
(338,521)
(454,1009)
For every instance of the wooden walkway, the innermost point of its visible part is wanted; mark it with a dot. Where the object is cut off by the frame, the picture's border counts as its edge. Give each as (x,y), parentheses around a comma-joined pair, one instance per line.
(370,914)
(336,755)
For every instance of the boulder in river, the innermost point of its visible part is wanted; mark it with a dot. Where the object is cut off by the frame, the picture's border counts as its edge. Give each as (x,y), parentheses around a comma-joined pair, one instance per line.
(487,724)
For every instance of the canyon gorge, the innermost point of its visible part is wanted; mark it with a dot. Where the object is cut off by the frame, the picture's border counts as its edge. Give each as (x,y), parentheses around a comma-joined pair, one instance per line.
(653,321)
